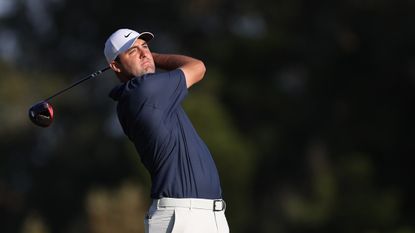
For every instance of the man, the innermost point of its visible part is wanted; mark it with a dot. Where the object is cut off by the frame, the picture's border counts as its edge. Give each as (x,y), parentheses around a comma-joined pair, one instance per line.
(186,191)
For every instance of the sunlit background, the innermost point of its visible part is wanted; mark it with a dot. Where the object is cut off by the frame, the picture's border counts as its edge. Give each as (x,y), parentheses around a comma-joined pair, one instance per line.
(306,107)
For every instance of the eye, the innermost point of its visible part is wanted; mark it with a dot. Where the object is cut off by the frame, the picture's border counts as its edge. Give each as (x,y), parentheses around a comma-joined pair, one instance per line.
(132,51)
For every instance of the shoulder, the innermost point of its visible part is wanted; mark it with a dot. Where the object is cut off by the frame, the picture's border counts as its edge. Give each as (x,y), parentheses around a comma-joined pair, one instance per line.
(151,78)
(158,80)
(155,84)
(177,73)
(150,82)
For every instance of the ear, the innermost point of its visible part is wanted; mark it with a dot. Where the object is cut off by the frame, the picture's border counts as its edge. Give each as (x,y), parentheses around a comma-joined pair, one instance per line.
(115,66)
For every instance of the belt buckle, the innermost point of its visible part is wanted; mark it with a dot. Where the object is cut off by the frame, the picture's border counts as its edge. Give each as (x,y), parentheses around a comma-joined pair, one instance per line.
(215,206)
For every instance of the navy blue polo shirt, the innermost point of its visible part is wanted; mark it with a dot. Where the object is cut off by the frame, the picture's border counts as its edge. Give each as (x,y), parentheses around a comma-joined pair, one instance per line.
(180,164)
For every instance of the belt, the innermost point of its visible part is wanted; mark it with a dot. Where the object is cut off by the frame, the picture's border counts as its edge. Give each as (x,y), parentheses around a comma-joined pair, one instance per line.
(192,203)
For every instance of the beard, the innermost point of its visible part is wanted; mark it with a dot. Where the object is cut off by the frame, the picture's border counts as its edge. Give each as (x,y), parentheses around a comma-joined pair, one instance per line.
(132,70)
(148,68)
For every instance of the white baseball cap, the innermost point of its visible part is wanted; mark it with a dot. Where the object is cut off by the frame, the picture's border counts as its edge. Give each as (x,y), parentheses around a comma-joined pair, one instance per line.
(121,40)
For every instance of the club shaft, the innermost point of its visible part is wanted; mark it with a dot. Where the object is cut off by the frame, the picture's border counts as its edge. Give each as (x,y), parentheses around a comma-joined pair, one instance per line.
(93,75)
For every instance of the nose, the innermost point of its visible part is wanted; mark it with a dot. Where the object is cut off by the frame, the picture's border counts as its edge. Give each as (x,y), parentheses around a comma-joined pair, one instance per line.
(143,53)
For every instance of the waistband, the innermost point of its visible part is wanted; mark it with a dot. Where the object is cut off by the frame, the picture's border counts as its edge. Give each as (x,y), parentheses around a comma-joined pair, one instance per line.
(191,203)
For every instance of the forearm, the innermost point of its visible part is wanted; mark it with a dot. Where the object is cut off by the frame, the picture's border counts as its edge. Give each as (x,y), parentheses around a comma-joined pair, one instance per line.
(193,69)
(171,61)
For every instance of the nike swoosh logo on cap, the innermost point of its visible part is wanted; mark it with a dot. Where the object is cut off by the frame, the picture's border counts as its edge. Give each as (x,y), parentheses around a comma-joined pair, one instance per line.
(127,35)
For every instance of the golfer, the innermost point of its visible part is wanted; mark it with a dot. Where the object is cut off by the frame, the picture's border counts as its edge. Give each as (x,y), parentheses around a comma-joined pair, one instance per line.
(186,191)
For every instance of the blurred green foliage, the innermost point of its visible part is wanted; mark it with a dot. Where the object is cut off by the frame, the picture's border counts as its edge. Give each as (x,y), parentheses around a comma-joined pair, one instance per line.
(306,107)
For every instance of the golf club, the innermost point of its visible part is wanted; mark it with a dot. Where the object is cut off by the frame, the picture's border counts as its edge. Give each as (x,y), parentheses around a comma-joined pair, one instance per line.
(41,113)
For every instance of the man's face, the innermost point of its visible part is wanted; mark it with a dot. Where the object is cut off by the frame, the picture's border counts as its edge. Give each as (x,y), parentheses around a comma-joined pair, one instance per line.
(137,60)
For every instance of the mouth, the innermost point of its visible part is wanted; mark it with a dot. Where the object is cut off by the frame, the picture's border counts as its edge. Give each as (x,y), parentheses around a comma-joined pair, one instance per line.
(147,65)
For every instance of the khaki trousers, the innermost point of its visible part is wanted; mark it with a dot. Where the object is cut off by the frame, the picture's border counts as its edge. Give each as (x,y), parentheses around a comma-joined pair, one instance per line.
(186,215)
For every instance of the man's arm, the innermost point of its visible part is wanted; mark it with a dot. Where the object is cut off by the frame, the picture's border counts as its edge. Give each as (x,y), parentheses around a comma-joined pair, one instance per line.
(193,69)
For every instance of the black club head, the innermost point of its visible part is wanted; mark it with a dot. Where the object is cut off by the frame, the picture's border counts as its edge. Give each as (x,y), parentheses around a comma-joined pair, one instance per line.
(41,114)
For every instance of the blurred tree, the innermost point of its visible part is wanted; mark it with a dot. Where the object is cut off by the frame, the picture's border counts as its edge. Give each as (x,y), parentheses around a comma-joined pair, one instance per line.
(34,224)
(120,211)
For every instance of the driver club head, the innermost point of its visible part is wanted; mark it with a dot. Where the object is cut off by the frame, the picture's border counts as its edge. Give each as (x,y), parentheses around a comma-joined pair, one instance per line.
(41,114)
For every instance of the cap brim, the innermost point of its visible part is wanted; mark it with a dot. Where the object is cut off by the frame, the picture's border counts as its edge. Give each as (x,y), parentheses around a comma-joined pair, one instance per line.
(146,36)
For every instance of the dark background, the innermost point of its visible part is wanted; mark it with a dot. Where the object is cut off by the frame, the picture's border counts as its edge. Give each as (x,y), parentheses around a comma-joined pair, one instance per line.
(306,107)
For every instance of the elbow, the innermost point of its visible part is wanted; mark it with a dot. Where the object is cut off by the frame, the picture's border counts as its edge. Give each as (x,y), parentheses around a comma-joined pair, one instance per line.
(194,72)
(202,69)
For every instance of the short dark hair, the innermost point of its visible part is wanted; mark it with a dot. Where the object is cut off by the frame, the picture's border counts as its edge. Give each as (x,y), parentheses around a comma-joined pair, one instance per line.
(117,59)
